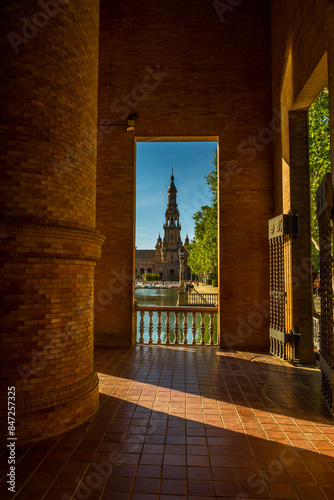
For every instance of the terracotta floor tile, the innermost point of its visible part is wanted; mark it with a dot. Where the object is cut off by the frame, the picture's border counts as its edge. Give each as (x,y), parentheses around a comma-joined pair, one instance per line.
(241,451)
(146,485)
(224,474)
(245,462)
(124,470)
(55,494)
(170,439)
(27,493)
(42,479)
(153,471)
(173,487)
(329,491)
(201,488)
(174,460)
(175,449)
(150,459)
(67,481)
(119,484)
(309,492)
(21,477)
(322,445)
(153,448)
(254,489)
(173,497)
(283,491)
(174,472)
(142,496)
(222,451)
(245,475)
(198,460)
(200,473)
(220,461)
(108,495)
(197,440)
(146,449)
(197,450)
(227,489)
(324,478)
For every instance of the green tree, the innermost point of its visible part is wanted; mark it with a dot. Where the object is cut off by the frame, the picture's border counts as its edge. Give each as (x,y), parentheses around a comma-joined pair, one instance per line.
(319,152)
(151,277)
(203,249)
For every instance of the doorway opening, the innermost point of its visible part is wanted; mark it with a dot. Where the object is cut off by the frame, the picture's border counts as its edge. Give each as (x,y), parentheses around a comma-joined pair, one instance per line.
(320,165)
(171,189)
(175,179)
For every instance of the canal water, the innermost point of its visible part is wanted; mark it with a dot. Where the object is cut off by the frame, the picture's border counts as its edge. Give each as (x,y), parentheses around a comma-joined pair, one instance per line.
(156,296)
(168,297)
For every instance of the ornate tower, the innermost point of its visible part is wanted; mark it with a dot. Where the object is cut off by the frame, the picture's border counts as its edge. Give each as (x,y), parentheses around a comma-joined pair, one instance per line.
(172,227)
(167,249)
(158,253)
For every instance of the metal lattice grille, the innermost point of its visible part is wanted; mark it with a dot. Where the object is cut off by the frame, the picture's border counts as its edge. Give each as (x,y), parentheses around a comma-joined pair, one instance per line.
(283,340)
(277,284)
(326,296)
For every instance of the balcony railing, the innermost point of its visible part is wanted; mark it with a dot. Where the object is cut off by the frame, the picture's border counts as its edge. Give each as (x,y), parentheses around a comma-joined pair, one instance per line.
(197,299)
(316,331)
(172,325)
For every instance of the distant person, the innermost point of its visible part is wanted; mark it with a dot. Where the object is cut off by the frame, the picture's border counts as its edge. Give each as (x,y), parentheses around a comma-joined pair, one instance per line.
(316,286)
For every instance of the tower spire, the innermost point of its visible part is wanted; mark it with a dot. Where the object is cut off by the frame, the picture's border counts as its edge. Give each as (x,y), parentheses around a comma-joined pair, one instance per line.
(172,187)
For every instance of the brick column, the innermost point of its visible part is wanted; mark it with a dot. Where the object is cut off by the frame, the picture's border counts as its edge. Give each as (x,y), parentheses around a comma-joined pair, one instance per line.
(49,244)
(301,260)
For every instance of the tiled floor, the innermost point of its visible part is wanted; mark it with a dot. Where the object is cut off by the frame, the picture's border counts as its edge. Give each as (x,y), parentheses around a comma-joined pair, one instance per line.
(189,423)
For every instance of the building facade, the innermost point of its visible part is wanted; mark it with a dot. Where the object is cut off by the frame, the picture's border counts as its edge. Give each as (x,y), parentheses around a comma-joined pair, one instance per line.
(164,260)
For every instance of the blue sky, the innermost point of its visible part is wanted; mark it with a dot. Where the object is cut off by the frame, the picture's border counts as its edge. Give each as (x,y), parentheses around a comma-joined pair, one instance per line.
(191,161)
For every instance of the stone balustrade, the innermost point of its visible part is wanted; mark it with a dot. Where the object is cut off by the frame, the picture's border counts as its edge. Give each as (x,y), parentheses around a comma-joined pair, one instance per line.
(173,325)
(197,299)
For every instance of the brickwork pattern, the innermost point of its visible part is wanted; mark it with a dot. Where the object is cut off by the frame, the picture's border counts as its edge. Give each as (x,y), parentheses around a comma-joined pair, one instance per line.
(303,57)
(182,84)
(49,245)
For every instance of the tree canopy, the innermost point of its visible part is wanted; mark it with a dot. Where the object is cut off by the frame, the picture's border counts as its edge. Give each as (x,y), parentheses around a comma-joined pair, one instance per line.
(319,152)
(203,249)
(151,277)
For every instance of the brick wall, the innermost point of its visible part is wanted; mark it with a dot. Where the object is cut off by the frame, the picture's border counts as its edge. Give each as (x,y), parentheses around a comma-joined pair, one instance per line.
(303,61)
(49,244)
(211,78)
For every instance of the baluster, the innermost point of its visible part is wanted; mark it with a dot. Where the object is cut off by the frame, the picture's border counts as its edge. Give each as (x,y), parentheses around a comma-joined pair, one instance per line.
(202,328)
(185,328)
(211,328)
(142,327)
(159,328)
(194,327)
(176,327)
(150,327)
(167,327)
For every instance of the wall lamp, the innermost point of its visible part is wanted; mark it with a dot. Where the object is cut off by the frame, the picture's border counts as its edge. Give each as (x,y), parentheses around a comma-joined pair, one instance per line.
(128,126)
